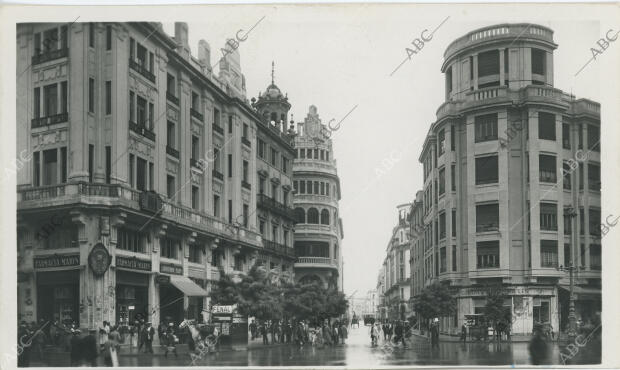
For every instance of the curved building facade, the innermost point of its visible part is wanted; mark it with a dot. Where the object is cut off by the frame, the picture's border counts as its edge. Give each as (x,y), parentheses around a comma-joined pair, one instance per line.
(511,190)
(318,232)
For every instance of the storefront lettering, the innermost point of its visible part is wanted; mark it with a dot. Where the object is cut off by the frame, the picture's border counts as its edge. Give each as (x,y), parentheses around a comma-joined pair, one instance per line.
(513,291)
(171,269)
(56,261)
(133,263)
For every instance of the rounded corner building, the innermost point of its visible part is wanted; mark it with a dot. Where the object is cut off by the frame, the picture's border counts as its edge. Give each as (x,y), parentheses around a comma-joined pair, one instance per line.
(318,232)
(511,192)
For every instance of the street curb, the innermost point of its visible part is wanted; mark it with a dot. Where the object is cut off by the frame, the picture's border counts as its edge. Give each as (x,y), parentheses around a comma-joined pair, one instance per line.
(184,352)
(456,340)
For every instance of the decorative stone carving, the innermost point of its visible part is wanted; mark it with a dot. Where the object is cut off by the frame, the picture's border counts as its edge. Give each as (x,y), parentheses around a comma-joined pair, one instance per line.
(172,113)
(171,166)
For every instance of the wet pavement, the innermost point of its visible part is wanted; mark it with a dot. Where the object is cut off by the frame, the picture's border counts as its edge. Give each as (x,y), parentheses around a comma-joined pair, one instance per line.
(359,353)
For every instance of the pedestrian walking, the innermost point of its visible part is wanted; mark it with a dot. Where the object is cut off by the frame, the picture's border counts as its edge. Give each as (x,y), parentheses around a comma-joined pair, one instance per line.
(148,333)
(253,328)
(343,332)
(399,334)
(89,348)
(263,332)
(463,333)
(110,351)
(326,334)
(335,334)
(374,334)
(538,347)
(103,333)
(171,341)
(435,333)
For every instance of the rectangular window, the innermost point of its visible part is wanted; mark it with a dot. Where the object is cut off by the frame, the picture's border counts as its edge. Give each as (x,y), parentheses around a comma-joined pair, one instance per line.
(454,258)
(441,140)
(63,164)
(580,176)
(261,148)
(230,165)
(316,154)
(216,206)
(246,215)
(245,171)
(538,61)
(170,186)
(63,97)
(486,127)
(51,100)
(37,43)
(230,211)
(91,162)
(132,48)
(594,222)
(238,263)
(108,37)
(566,172)
(327,188)
(195,254)
(132,108)
(141,166)
(245,131)
(316,187)
(108,97)
(322,184)
(442,260)
(566,254)
(452,137)
(151,176)
(285,197)
(195,198)
(302,187)
(91,35)
(216,117)
(581,222)
(302,153)
(454,222)
(108,163)
(50,167)
(151,120)
(261,227)
(230,124)
(453,177)
(151,62)
(594,138)
(170,135)
(274,157)
(548,216)
(549,253)
(274,191)
(487,254)
(595,257)
(37,102)
(91,95)
(594,177)
(442,181)
(580,136)
(131,240)
(546,126)
(284,164)
(131,171)
(488,63)
(326,155)
(442,225)
(141,111)
(565,136)
(547,168)
(486,170)
(568,224)
(487,217)
(170,248)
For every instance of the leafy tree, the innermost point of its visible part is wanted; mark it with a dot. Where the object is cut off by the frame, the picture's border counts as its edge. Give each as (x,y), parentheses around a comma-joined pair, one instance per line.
(495,313)
(434,301)
(225,292)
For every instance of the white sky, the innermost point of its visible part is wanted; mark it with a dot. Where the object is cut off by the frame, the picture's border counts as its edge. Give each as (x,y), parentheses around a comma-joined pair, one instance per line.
(336,57)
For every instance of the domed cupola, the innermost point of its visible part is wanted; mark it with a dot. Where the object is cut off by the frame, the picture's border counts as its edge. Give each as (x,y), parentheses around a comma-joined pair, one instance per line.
(272,105)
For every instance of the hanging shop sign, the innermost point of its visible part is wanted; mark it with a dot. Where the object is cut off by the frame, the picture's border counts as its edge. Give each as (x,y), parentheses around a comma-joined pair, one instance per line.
(56,260)
(133,263)
(99,259)
(162,279)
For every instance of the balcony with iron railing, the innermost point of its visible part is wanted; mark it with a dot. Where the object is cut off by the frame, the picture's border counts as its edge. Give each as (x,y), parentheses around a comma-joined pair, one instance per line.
(269,203)
(173,152)
(278,248)
(142,70)
(316,262)
(50,55)
(142,130)
(217,175)
(246,185)
(219,129)
(196,114)
(49,120)
(246,142)
(172,98)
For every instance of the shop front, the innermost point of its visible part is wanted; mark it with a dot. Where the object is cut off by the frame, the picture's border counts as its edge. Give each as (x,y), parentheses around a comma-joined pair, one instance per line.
(588,305)
(132,289)
(58,288)
(175,293)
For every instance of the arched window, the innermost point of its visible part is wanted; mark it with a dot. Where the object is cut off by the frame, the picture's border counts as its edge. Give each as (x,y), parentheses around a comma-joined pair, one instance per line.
(300,215)
(313,216)
(324,217)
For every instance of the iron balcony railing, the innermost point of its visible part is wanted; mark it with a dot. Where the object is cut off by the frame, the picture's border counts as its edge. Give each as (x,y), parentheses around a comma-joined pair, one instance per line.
(173,152)
(50,55)
(196,114)
(49,120)
(171,97)
(218,175)
(218,129)
(142,130)
(141,70)
(275,206)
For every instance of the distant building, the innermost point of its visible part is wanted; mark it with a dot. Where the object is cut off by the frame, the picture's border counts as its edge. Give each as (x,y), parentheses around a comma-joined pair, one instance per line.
(511,183)
(318,232)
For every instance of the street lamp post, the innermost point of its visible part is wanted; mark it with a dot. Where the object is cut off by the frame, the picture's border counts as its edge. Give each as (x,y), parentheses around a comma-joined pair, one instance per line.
(572,319)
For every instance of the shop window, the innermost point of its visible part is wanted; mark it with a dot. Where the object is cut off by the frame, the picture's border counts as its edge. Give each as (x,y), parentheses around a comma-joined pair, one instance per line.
(541,310)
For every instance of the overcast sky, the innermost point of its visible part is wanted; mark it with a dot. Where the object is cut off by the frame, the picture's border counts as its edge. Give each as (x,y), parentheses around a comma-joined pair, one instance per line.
(340,57)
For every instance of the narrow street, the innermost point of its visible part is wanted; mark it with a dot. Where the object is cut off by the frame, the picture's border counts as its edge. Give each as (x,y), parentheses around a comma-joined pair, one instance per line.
(358,353)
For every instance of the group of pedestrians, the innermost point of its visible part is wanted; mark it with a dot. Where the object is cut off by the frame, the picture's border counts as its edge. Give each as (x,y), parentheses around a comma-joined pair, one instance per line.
(299,332)
(395,332)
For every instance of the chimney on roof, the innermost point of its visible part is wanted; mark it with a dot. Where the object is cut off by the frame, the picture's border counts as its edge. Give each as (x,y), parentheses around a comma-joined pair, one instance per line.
(180,36)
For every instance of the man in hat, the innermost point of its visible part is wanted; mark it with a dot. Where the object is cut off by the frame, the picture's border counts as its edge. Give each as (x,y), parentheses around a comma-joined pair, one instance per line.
(435,333)
(148,333)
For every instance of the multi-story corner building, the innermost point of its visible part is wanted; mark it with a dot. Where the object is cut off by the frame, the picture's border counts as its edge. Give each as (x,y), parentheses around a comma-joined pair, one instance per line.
(142,184)
(381,306)
(397,277)
(318,233)
(417,258)
(512,181)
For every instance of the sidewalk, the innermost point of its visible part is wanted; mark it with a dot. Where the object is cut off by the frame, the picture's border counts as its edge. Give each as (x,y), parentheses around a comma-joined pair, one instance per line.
(456,338)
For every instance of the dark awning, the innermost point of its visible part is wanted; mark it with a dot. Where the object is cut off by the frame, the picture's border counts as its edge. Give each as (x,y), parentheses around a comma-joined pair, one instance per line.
(584,293)
(187,286)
